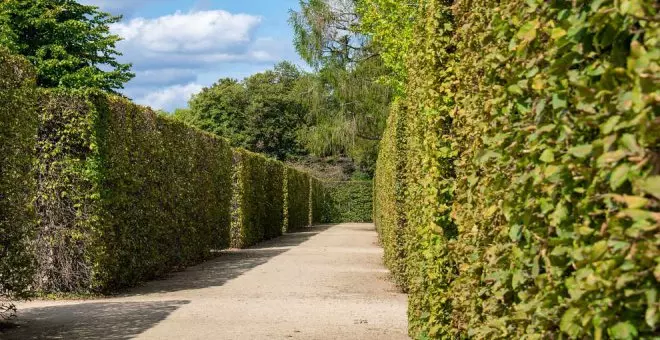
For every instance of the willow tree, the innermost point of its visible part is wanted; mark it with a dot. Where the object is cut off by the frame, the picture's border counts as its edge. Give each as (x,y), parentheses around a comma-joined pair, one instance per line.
(346,100)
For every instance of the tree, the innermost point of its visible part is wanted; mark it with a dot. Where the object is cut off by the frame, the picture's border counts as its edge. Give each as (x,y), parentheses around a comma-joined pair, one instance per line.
(326,32)
(260,113)
(274,115)
(219,109)
(347,103)
(69,44)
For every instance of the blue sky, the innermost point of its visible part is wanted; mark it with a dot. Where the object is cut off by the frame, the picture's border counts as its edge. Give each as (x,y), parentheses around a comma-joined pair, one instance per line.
(177,47)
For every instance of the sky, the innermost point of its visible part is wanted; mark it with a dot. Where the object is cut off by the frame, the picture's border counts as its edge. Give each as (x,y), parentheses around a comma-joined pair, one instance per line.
(177,47)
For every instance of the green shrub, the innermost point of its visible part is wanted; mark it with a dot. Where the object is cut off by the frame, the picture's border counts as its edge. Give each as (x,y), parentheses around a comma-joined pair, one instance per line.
(348,202)
(389,215)
(18,130)
(258,204)
(317,199)
(531,138)
(298,196)
(124,195)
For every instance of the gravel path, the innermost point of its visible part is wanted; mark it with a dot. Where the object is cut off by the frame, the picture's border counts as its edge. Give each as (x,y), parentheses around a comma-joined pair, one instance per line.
(325,283)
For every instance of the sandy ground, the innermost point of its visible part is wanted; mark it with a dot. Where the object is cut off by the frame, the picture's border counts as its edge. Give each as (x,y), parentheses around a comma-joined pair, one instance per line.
(324,283)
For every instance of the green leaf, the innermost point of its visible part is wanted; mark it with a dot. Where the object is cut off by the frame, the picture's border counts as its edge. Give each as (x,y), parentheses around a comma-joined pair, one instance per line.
(548,156)
(568,324)
(623,331)
(630,142)
(515,89)
(517,279)
(609,126)
(515,232)
(581,151)
(619,176)
(527,32)
(558,102)
(557,33)
(651,186)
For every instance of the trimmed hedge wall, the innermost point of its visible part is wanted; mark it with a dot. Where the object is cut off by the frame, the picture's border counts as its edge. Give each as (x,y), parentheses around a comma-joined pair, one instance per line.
(317,199)
(258,199)
(347,202)
(18,130)
(124,195)
(298,198)
(531,137)
(99,193)
(388,200)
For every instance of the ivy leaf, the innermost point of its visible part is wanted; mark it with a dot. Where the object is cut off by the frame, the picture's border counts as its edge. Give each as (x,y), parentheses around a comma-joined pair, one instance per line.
(623,331)
(581,151)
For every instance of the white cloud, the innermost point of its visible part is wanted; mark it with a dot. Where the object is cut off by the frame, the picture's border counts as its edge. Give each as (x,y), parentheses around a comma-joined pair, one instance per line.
(174,55)
(207,32)
(171,97)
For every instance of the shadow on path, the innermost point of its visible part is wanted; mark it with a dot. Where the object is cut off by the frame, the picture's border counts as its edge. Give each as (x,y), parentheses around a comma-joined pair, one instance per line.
(229,265)
(103,320)
(118,320)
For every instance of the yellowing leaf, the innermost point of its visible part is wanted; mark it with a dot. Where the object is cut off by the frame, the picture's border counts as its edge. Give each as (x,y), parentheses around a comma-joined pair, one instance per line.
(652,186)
(547,156)
(557,33)
(527,32)
(635,202)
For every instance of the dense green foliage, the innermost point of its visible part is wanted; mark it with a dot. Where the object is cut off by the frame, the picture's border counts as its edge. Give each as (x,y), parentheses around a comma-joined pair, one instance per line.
(531,137)
(388,200)
(260,114)
(18,129)
(317,199)
(347,202)
(124,195)
(346,104)
(298,198)
(69,44)
(258,199)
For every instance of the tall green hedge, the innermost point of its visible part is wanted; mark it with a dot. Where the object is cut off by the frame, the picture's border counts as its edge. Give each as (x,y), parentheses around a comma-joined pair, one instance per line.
(388,200)
(347,202)
(124,195)
(258,199)
(317,199)
(18,130)
(531,198)
(298,198)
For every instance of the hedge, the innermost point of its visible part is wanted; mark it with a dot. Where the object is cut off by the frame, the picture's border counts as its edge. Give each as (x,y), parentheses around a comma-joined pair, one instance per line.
(347,202)
(258,199)
(388,200)
(531,133)
(18,129)
(124,195)
(298,199)
(317,199)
